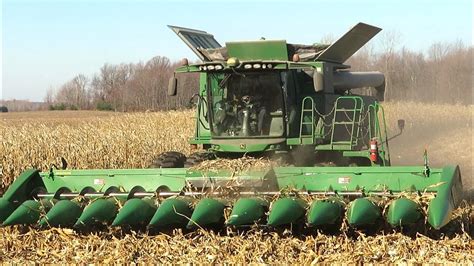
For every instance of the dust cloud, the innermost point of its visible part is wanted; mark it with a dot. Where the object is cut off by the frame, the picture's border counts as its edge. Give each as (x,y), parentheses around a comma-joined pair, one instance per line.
(444,130)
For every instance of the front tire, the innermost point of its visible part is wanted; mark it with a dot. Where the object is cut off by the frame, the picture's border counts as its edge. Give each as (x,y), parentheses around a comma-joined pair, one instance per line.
(197,158)
(169,159)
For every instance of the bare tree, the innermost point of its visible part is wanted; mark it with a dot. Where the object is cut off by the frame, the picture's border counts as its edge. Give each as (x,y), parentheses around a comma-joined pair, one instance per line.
(49,97)
(389,42)
(443,74)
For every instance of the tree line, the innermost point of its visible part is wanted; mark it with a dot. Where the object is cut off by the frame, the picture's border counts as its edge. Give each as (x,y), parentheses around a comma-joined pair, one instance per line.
(124,88)
(442,74)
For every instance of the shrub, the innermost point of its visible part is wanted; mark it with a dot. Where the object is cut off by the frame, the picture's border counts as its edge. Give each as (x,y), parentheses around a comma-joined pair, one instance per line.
(104,106)
(57,107)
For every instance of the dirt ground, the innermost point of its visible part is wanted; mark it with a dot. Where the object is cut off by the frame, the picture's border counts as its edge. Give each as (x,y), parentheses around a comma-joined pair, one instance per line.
(444,130)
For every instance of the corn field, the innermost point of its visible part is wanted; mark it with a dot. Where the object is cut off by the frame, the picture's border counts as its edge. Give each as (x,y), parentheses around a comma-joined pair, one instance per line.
(117,140)
(121,141)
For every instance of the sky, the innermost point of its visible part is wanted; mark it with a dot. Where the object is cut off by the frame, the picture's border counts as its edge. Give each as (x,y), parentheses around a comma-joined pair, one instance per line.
(45,43)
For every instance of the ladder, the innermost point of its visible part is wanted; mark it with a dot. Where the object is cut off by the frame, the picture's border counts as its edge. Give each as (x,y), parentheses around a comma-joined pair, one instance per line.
(346,122)
(307,121)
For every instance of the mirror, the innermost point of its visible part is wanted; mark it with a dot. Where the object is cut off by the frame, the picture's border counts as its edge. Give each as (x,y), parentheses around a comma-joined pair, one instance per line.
(401,124)
(172,86)
(318,81)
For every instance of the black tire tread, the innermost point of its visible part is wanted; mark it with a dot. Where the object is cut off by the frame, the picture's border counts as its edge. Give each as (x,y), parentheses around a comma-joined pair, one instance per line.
(169,159)
(197,158)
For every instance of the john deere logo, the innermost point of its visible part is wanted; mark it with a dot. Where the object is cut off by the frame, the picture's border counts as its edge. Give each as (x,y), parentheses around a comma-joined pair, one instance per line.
(242,146)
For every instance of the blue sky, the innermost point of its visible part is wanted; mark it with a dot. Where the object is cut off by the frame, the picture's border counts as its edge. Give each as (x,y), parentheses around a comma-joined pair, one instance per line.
(46,43)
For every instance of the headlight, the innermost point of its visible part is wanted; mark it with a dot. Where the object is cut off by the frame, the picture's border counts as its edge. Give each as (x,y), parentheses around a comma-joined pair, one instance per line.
(232,62)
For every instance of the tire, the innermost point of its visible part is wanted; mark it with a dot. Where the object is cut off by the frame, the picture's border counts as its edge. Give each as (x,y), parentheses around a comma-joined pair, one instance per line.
(197,158)
(170,159)
(359,161)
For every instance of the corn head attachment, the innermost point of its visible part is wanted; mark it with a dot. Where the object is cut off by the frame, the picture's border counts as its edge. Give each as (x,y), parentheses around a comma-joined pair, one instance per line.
(281,196)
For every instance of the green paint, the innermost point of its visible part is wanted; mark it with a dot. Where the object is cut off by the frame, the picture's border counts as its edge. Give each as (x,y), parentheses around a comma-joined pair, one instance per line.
(63,213)
(172,212)
(286,211)
(372,179)
(208,212)
(363,212)
(244,146)
(439,212)
(325,212)
(247,211)
(6,208)
(258,50)
(19,190)
(98,211)
(449,191)
(445,182)
(135,212)
(28,212)
(402,212)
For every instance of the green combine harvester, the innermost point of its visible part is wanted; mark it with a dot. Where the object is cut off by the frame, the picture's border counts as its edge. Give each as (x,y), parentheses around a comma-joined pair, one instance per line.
(264,98)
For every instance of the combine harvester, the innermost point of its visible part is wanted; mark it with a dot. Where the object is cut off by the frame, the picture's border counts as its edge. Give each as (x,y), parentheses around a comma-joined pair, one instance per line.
(261,98)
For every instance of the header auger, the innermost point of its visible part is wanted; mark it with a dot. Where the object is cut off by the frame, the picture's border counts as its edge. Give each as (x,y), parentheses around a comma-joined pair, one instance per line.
(264,98)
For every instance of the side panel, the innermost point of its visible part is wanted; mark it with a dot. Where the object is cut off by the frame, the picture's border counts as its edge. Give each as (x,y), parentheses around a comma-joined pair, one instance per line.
(124,179)
(258,50)
(367,179)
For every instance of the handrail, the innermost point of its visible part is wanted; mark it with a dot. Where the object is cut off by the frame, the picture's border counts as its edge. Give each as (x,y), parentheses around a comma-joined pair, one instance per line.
(356,113)
(380,133)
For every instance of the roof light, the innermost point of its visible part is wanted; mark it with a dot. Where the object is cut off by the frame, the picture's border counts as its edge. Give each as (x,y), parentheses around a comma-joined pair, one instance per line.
(211,67)
(219,67)
(256,66)
(247,66)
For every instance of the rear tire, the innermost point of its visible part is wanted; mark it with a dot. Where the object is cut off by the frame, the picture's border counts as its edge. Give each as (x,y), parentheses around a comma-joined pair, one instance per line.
(169,159)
